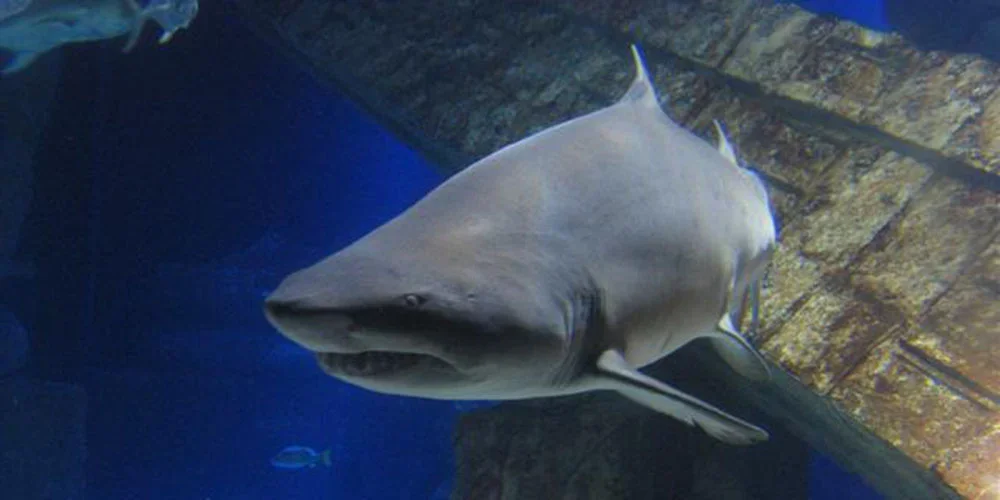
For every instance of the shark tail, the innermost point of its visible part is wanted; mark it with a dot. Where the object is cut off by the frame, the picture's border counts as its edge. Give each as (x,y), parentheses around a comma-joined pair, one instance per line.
(325,458)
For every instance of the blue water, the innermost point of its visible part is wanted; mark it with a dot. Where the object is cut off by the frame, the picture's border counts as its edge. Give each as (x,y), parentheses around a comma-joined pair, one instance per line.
(219,143)
(869,13)
(189,399)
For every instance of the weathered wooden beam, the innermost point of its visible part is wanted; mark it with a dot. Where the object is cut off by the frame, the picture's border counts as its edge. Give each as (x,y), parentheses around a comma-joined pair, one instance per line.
(883,160)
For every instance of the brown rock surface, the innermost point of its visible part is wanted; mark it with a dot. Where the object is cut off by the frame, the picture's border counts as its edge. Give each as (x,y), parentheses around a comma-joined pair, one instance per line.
(961,329)
(939,234)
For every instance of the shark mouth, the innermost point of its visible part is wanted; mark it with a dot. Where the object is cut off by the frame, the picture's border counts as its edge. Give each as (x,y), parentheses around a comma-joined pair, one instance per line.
(375,363)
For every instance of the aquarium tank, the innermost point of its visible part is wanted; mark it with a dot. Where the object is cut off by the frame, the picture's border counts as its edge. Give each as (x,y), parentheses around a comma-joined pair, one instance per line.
(593,249)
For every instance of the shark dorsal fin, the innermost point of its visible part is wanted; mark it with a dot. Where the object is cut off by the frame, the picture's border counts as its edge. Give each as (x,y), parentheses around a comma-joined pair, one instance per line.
(641,91)
(725,148)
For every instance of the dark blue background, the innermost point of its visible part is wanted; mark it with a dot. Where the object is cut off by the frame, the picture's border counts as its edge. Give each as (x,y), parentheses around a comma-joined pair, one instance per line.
(158,166)
(169,160)
(870,13)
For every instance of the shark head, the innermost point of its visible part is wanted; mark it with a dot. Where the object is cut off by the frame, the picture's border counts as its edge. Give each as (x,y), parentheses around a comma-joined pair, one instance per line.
(409,316)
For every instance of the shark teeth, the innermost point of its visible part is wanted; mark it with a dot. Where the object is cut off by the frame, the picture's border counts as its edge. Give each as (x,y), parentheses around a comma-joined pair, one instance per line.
(370,363)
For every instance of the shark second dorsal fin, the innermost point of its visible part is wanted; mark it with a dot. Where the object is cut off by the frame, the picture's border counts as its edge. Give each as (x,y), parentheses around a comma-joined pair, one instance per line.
(641,91)
(617,375)
(725,148)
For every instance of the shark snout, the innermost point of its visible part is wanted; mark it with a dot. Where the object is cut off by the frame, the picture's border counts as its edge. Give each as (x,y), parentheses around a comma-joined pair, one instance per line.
(314,329)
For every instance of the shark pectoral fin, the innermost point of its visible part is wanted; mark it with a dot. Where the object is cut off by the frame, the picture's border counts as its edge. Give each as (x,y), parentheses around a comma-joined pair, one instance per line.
(617,375)
(738,353)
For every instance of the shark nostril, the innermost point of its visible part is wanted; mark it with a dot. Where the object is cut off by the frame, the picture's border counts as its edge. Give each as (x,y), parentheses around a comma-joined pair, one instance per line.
(298,315)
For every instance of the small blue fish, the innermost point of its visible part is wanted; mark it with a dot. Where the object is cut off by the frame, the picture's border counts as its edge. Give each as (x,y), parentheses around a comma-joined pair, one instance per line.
(300,457)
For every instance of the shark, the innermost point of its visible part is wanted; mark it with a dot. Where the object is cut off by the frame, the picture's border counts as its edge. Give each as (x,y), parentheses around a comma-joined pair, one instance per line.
(560,264)
(30,29)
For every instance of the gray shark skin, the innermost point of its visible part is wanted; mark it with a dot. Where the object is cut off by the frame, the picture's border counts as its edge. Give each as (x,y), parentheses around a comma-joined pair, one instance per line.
(43,25)
(559,264)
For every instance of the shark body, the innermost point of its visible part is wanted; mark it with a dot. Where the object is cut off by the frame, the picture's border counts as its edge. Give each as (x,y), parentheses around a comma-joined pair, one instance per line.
(559,264)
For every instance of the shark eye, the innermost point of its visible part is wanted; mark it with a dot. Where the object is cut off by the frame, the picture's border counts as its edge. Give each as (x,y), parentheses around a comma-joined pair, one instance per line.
(414,300)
